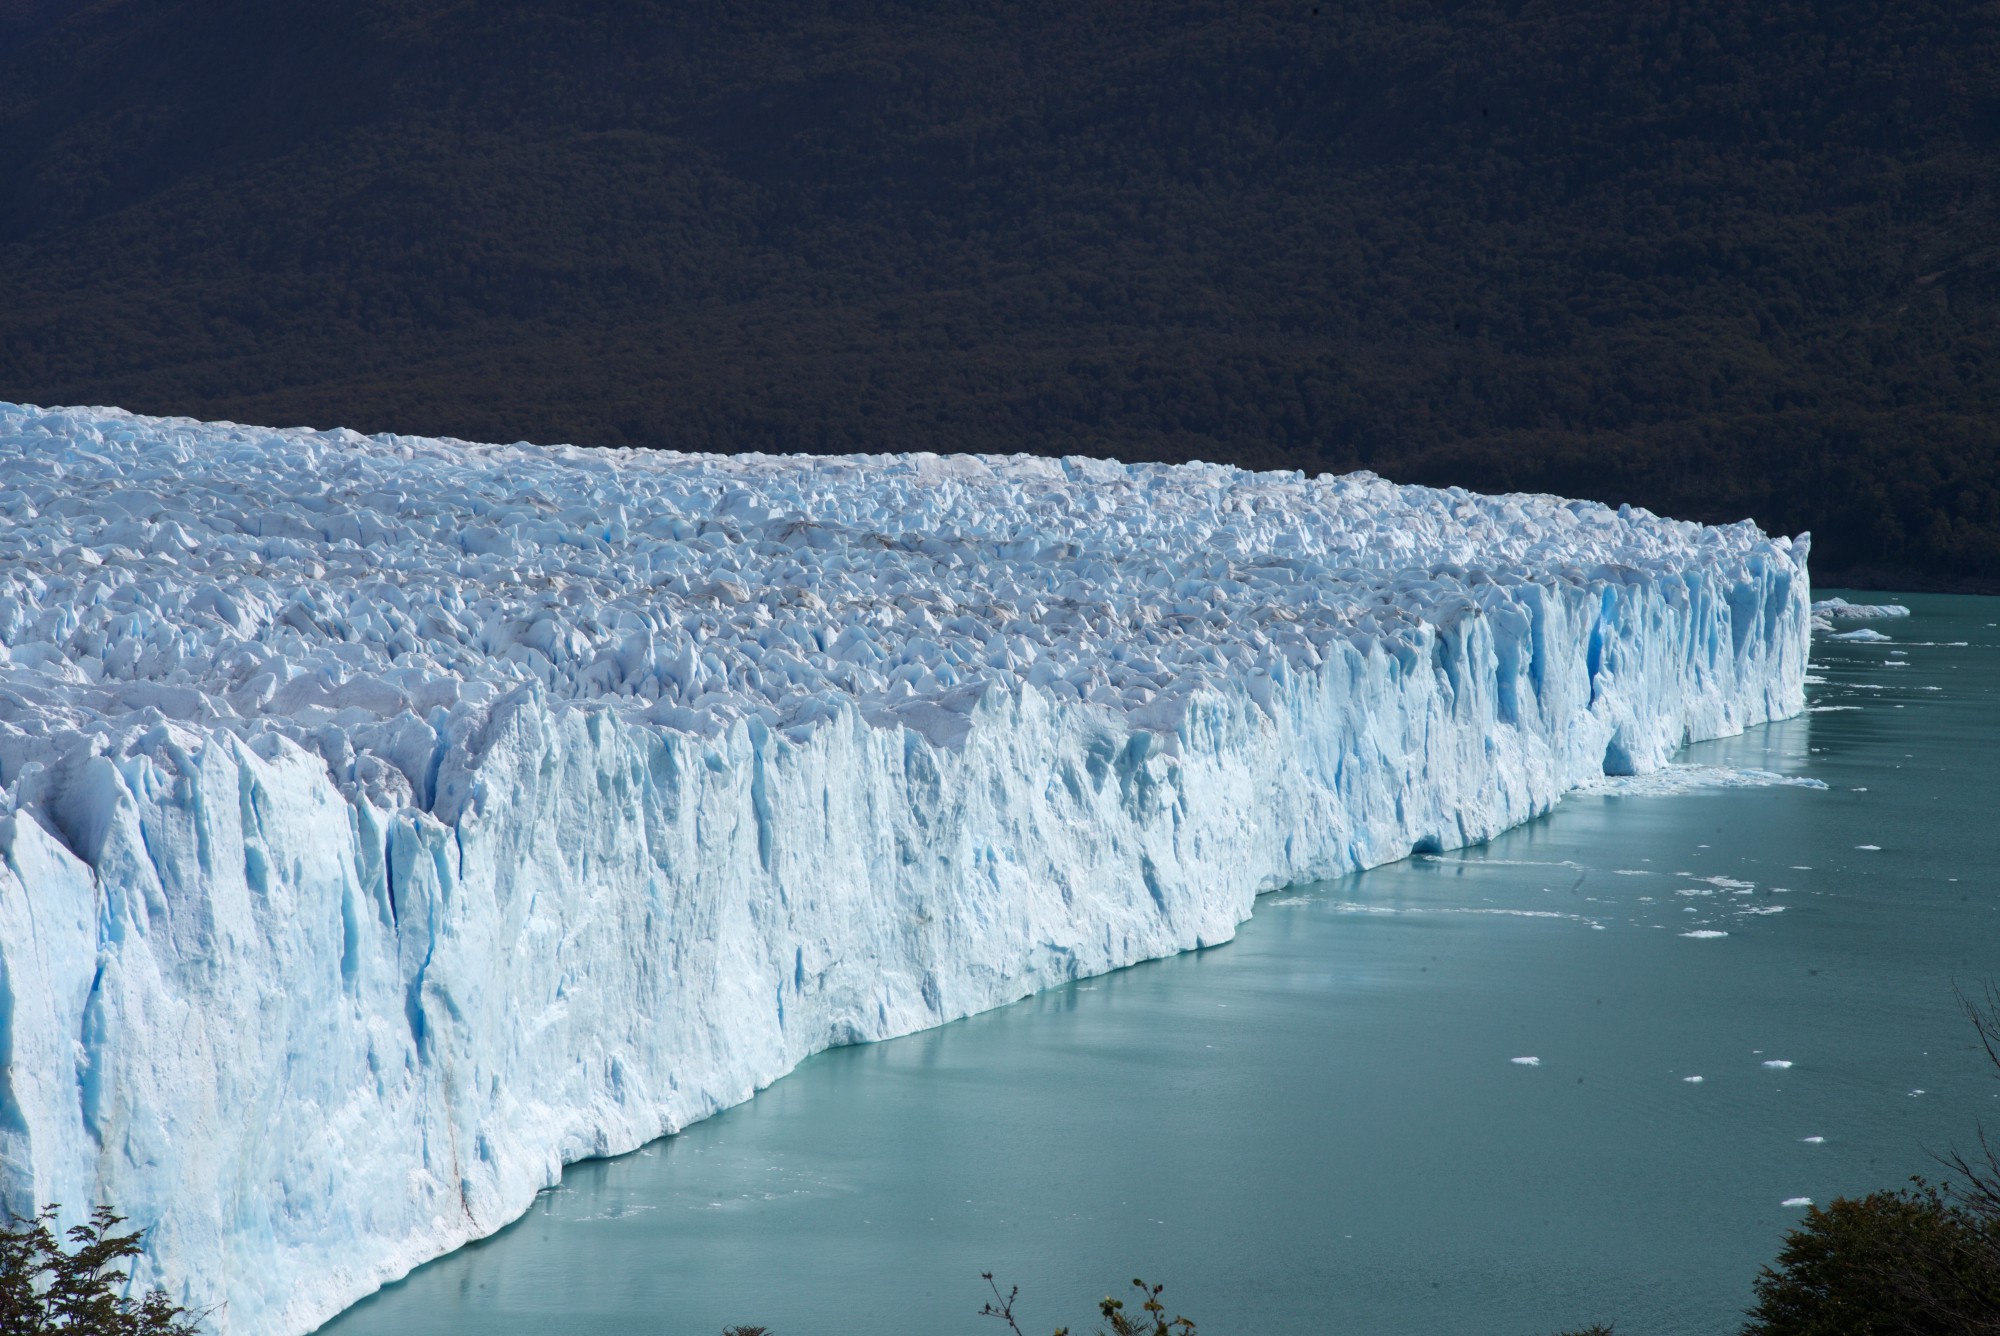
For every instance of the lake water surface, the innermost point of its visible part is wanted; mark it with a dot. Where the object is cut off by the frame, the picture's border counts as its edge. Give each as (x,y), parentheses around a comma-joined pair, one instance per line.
(1321,1126)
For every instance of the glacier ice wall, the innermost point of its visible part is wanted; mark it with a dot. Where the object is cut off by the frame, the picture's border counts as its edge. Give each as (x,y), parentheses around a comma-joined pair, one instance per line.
(387,822)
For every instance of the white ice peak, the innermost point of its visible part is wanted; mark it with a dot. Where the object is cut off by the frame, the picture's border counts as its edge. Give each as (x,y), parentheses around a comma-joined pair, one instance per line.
(388,821)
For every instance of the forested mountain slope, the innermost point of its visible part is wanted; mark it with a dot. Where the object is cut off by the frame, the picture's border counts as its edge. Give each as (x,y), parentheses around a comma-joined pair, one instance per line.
(1711,258)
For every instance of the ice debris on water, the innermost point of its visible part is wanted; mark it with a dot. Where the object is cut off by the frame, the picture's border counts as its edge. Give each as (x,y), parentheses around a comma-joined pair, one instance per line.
(388,822)
(1677,779)
(1526,1062)
(1779,1063)
(1827,611)
(1796,1201)
(1840,607)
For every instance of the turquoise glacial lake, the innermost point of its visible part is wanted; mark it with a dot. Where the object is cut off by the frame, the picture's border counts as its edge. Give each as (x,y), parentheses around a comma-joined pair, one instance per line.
(1323,1127)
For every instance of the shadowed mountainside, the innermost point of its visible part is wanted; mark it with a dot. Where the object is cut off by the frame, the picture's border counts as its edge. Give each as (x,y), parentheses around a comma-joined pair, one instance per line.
(1713,259)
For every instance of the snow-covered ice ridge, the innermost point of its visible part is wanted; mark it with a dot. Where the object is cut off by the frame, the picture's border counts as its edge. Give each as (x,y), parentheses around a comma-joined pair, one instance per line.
(387,822)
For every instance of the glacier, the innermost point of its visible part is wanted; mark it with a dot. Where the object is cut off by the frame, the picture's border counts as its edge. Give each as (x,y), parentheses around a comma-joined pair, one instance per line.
(386,822)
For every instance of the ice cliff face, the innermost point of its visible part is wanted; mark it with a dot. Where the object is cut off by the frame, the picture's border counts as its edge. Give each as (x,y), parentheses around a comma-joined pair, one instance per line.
(387,822)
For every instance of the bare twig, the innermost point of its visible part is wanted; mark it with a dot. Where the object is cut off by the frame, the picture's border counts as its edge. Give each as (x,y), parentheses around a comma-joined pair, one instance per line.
(1001,1306)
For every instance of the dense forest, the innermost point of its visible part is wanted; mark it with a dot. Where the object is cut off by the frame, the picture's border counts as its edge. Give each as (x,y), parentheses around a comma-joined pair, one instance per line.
(1712,258)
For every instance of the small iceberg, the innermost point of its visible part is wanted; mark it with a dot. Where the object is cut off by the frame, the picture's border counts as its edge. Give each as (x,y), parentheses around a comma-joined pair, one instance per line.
(1857,612)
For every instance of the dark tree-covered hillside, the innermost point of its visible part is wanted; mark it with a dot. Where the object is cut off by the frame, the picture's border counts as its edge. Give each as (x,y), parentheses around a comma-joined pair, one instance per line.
(1712,258)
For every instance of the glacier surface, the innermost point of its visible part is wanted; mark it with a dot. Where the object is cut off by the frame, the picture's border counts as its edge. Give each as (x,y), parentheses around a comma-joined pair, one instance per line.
(386,822)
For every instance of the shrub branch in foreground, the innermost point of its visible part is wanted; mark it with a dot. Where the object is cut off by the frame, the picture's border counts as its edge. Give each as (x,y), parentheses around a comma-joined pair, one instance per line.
(49,1290)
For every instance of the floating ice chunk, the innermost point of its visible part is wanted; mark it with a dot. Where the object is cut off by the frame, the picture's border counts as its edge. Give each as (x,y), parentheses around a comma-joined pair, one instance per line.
(1871,848)
(1860,633)
(1796,1201)
(1813,1141)
(1692,1080)
(1845,611)
(1526,1062)
(1780,1063)
(1705,932)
